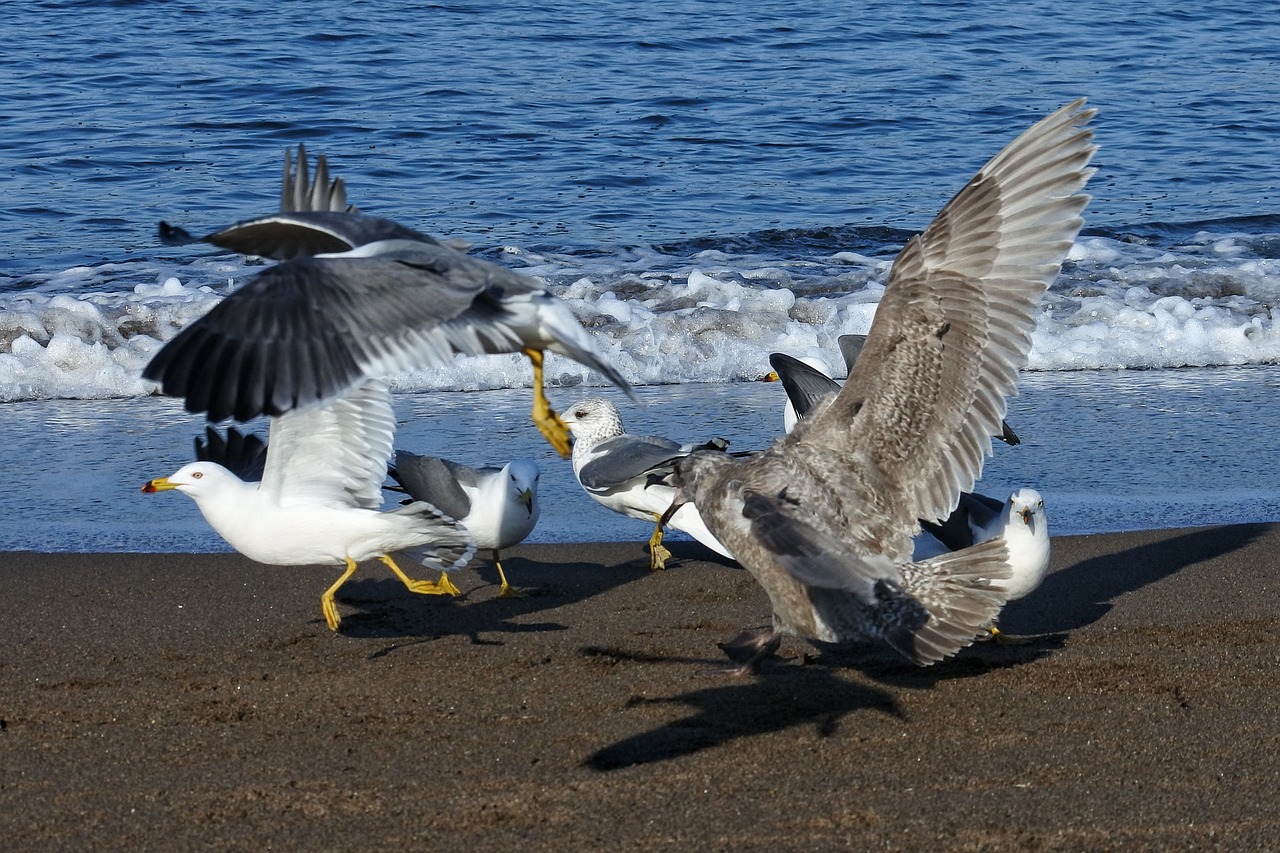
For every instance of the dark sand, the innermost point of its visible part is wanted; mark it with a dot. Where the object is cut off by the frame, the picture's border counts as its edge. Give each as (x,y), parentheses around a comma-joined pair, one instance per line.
(179,702)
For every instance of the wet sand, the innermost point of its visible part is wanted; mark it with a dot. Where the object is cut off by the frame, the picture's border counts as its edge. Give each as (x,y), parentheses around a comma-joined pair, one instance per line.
(154,702)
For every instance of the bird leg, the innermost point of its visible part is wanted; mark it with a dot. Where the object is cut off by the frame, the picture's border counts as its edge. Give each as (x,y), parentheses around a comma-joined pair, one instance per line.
(658,554)
(326,601)
(750,647)
(507,591)
(446,586)
(545,417)
(420,587)
(997,636)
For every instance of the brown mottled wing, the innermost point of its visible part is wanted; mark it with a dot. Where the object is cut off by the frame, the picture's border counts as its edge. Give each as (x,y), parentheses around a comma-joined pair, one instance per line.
(954,326)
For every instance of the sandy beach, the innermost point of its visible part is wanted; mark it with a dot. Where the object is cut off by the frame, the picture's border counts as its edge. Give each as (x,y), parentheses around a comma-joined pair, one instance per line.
(171,702)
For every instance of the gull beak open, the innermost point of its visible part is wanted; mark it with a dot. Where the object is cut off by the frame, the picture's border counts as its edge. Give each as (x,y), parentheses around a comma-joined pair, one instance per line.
(160,484)
(1026,515)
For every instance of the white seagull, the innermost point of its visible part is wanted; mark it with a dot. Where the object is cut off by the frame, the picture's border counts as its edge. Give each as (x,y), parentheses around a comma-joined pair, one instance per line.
(824,519)
(497,506)
(618,471)
(319,497)
(1020,522)
(356,297)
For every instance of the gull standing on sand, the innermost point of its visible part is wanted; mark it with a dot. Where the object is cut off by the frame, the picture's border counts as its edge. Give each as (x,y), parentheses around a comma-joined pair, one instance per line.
(824,519)
(497,506)
(1019,522)
(618,471)
(319,499)
(356,297)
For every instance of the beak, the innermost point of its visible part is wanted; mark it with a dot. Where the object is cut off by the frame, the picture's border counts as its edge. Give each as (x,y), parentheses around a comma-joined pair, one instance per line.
(526,498)
(771,376)
(1026,515)
(160,484)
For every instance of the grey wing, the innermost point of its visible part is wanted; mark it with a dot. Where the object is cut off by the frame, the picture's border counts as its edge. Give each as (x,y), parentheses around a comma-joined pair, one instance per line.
(621,460)
(243,454)
(954,326)
(808,553)
(296,234)
(299,192)
(850,349)
(434,480)
(806,386)
(304,330)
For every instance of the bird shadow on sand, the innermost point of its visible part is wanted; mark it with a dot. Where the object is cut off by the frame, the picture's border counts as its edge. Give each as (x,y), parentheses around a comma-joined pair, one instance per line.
(381,608)
(1082,593)
(774,699)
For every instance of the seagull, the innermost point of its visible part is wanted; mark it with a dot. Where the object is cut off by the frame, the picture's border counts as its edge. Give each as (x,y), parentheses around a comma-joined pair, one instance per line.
(618,470)
(1019,522)
(318,499)
(807,381)
(498,506)
(355,297)
(824,519)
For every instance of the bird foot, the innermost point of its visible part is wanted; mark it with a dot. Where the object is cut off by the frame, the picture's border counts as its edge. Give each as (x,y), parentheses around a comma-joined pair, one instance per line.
(553,430)
(444,586)
(509,591)
(998,637)
(331,617)
(747,649)
(658,556)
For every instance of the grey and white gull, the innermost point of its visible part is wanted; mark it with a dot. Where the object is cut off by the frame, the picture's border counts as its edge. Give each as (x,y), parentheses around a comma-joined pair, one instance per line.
(355,297)
(625,473)
(825,519)
(498,506)
(319,498)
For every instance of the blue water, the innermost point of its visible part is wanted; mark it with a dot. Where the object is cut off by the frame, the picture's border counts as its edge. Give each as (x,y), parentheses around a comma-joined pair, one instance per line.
(590,124)
(638,147)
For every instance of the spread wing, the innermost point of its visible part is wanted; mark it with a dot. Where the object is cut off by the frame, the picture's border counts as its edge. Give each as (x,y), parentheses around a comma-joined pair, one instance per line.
(333,454)
(954,326)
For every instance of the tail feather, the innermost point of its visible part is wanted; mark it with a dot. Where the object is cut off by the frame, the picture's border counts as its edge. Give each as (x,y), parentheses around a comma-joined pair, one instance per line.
(962,591)
(451,546)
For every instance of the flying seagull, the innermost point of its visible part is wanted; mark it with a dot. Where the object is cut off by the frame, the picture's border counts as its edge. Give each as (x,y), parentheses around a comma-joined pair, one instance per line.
(355,297)
(824,519)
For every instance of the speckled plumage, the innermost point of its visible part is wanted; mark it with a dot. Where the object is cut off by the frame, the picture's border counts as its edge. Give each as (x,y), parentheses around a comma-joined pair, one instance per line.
(825,518)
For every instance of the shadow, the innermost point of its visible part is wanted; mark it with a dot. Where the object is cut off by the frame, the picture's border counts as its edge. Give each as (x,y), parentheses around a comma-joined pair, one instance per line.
(381,608)
(1081,594)
(883,664)
(778,697)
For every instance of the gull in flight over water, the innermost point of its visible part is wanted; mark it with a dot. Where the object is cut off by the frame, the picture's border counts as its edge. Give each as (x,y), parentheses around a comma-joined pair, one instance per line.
(356,297)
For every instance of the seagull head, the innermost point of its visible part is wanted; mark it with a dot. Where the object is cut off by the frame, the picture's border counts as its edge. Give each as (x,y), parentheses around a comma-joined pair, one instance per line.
(592,421)
(197,480)
(522,477)
(1026,504)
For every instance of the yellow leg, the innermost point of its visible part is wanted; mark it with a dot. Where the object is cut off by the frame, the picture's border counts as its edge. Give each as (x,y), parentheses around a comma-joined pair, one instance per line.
(326,601)
(658,554)
(446,585)
(421,587)
(507,591)
(545,417)
(1004,639)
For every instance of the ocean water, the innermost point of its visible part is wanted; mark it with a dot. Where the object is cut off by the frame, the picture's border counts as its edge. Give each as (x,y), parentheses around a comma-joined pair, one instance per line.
(704,182)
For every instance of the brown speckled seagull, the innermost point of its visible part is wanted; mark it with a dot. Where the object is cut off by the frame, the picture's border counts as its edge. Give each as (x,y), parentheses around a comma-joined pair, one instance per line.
(824,519)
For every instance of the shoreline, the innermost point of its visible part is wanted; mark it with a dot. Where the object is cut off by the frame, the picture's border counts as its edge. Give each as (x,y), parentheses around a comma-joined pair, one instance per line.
(154,701)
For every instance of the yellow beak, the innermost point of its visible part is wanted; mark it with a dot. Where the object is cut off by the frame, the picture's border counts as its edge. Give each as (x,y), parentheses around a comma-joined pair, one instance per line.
(160,484)
(526,498)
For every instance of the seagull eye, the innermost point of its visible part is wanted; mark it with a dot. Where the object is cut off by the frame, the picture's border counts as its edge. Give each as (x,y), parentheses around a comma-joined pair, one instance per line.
(196,475)
(579,414)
